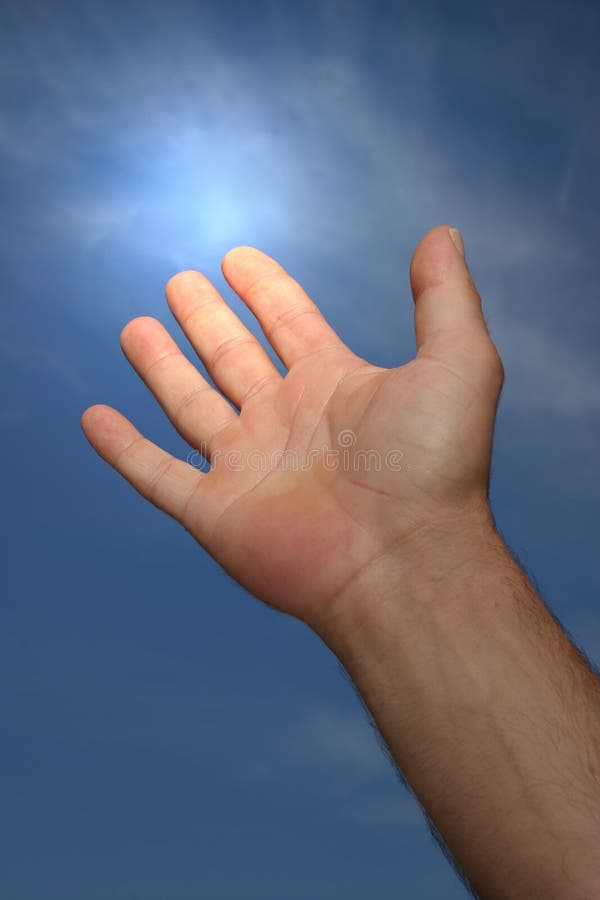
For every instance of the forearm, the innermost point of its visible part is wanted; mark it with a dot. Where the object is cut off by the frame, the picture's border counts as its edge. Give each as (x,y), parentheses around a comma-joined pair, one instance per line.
(489,712)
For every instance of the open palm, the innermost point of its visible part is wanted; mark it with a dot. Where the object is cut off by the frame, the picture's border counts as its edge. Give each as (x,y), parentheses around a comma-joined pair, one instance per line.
(328,470)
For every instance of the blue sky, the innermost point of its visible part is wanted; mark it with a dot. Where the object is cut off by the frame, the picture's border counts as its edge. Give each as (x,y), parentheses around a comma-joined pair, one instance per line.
(164,735)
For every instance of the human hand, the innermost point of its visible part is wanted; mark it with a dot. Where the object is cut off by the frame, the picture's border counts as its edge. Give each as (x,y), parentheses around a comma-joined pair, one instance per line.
(378,463)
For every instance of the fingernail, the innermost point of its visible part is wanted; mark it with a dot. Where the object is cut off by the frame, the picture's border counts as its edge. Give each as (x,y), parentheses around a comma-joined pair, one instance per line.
(456,238)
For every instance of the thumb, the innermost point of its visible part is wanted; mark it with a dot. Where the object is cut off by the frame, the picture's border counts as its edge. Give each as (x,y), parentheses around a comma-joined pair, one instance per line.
(449,322)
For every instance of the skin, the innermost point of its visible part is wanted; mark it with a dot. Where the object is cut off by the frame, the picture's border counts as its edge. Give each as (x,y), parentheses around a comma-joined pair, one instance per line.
(489,711)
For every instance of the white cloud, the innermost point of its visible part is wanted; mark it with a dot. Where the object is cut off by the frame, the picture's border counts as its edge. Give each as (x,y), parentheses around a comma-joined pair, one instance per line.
(306,158)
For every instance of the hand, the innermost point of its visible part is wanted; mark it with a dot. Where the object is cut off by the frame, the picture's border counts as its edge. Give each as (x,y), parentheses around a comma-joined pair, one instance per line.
(377,462)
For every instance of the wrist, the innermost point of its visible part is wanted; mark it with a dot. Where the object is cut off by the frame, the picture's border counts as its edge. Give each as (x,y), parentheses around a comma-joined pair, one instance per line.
(423,571)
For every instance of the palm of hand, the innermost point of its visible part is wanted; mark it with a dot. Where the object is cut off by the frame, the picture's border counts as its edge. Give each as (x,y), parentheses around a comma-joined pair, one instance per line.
(324,471)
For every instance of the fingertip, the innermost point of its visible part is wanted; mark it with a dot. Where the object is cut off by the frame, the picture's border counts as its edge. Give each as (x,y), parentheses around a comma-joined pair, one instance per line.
(432,260)
(91,412)
(92,418)
(144,339)
(179,278)
(241,256)
(239,248)
(185,285)
(136,326)
(106,429)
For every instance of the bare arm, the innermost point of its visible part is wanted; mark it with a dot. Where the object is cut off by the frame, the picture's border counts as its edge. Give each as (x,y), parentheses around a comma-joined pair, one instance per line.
(486,706)
(489,711)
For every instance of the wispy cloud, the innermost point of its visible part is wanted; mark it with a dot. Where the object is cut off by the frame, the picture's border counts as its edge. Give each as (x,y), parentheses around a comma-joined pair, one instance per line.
(545,373)
(44,362)
(326,736)
(197,150)
(367,792)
